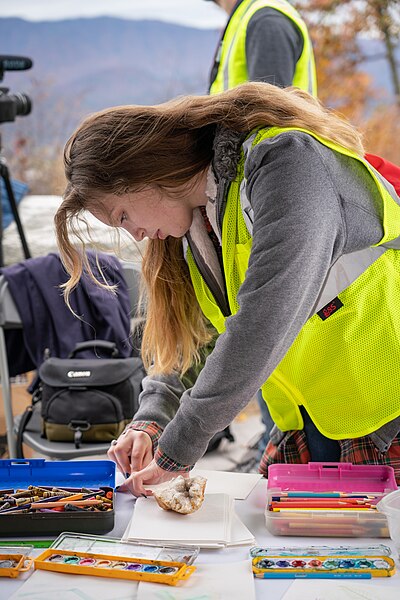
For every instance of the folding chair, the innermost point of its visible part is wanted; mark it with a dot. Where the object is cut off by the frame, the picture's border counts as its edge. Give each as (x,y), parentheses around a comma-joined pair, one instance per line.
(10,319)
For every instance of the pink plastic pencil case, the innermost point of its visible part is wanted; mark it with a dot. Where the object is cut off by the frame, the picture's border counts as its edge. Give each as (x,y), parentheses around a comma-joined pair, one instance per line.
(332,477)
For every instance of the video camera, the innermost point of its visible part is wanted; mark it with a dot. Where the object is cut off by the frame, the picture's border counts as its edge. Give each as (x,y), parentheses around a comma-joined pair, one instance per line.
(13,105)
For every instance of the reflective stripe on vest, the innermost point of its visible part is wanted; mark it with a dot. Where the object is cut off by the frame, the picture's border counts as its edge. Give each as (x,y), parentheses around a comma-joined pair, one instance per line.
(343,366)
(232,68)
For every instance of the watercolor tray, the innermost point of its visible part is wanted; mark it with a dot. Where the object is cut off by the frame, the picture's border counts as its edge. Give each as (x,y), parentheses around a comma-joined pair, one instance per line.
(15,562)
(323,567)
(111,566)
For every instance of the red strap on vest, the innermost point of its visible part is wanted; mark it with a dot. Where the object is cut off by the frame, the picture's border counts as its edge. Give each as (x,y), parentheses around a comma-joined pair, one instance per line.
(388,170)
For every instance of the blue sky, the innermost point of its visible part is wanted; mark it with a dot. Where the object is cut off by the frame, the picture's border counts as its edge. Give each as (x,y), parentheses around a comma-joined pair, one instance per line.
(196,13)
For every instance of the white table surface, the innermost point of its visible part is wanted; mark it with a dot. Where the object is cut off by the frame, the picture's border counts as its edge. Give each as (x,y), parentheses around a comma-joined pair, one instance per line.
(251,511)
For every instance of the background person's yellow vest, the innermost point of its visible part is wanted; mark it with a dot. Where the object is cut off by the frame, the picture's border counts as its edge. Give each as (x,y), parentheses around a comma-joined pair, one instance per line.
(343,366)
(232,68)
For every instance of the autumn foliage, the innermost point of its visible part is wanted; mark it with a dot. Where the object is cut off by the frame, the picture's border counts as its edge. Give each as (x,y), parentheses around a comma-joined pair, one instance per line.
(335,27)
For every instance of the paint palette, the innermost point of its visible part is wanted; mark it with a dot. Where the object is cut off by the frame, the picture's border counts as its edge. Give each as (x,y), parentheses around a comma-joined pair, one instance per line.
(329,566)
(118,567)
(11,565)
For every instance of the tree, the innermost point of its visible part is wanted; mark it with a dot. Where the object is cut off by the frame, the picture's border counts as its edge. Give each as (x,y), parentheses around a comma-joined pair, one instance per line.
(336,26)
(384,19)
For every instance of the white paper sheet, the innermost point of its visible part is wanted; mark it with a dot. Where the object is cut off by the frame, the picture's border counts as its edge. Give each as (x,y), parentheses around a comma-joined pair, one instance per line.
(238,485)
(240,535)
(346,589)
(208,582)
(208,527)
(44,585)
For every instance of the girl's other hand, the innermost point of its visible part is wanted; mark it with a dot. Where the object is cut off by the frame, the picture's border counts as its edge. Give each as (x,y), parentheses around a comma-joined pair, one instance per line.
(151,474)
(132,451)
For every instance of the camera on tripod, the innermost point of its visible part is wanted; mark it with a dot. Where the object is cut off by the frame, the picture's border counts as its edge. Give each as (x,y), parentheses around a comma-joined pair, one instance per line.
(13,105)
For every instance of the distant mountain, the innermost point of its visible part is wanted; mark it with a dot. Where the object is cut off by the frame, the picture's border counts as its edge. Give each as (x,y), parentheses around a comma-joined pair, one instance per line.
(83,65)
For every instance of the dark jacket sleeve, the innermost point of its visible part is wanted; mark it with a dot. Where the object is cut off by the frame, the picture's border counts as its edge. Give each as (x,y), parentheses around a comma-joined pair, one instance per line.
(273,46)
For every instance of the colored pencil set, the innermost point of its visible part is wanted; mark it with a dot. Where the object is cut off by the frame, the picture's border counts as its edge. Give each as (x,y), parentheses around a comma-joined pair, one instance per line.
(337,514)
(325,501)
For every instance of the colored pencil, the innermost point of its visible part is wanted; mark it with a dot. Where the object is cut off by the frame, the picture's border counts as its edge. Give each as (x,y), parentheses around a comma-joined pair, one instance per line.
(309,509)
(286,500)
(63,502)
(73,497)
(317,504)
(322,502)
(327,495)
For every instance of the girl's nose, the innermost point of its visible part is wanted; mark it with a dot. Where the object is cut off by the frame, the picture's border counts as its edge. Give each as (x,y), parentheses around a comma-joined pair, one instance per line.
(136,232)
(139,234)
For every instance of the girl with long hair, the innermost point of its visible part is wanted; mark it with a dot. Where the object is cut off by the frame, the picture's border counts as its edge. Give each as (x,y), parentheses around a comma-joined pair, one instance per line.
(263,219)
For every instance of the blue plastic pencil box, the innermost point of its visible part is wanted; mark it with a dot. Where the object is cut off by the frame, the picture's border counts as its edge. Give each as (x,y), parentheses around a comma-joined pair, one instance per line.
(67,475)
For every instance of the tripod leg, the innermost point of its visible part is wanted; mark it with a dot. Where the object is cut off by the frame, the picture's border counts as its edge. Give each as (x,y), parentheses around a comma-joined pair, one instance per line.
(14,208)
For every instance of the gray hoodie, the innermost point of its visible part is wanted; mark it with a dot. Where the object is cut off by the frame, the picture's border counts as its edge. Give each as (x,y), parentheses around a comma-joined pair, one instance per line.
(311,205)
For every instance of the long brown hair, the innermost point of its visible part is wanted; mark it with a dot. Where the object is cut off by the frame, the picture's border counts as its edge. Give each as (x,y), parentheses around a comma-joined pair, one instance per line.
(125,148)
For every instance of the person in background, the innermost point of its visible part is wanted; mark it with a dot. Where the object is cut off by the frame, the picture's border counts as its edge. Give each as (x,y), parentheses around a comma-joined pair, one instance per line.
(305,298)
(263,41)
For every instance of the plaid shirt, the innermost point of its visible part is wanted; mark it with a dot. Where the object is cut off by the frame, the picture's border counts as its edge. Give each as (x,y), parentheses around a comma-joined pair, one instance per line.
(155,431)
(149,427)
(168,464)
(360,451)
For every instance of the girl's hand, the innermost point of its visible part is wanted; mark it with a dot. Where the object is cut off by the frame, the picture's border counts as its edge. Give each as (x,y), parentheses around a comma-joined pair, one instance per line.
(132,451)
(152,474)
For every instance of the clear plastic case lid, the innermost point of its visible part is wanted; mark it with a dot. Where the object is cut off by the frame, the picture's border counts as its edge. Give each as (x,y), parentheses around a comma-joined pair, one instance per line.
(378,550)
(11,549)
(114,546)
(390,504)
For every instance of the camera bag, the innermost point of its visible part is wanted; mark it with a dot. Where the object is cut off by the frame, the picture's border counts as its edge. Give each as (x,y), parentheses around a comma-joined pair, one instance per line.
(88,400)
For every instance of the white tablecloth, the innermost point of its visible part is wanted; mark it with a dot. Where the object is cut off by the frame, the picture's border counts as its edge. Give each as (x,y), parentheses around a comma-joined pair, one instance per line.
(251,511)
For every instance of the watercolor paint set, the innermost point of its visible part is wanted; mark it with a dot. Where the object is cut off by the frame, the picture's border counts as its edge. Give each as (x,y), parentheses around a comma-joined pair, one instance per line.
(80,553)
(49,497)
(322,567)
(322,562)
(328,499)
(109,565)
(14,561)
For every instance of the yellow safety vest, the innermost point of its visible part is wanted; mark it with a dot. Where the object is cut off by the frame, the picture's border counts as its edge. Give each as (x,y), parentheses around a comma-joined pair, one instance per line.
(343,366)
(231,55)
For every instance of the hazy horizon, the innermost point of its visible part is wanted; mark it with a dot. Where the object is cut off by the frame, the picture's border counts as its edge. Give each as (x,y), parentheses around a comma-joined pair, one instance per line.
(193,13)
